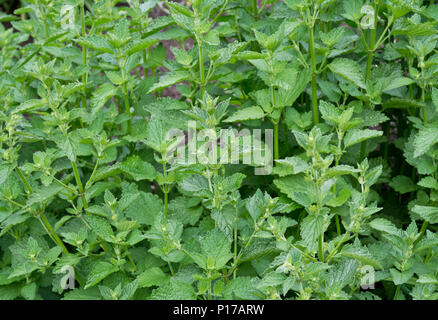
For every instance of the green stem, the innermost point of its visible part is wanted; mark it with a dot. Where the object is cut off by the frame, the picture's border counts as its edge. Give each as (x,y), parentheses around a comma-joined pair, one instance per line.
(170,268)
(84,59)
(424,112)
(209,175)
(44,18)
(24,180)
(145,51)
(382,37)
(423,99)
(90,180)
(344,238)
(64,185)
(396,292)
(52,233)
(187,254)
(221,11)
(235,246)
(286,139)
(410,62)
(371,49)
(255,9)
(201,67)
(166,200)
(47,231)
(209,291)
(236,262)
(338,225)
(314,85)
(165,190)
(79,183)
(387,127)
(138,74)
(363,150)
(130,259)
(127,106)
(422,231)
(320,247)
(54,236)
(276,151)
(264,3)
(428,256)
(304,254)
(13,202)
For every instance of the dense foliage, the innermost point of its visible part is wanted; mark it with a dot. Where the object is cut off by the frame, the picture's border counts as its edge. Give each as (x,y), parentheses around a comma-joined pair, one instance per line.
(93,205)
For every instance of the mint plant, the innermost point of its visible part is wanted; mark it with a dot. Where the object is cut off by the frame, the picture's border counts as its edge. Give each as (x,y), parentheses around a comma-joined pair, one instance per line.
(219,150)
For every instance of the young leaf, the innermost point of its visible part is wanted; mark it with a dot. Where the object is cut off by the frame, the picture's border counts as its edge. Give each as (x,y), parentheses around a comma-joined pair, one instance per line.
(215,250)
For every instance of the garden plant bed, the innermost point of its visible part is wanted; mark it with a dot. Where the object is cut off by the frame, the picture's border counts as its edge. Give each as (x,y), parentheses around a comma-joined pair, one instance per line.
(210,150)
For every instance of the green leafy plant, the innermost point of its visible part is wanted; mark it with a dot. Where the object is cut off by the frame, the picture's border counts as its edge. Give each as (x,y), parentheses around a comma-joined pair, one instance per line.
(99,99)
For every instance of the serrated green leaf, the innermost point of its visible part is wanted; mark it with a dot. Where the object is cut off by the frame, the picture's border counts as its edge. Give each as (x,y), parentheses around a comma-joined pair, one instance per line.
(100,271)
(174,290)
(349,70)
(385,226)
(97,43)
(355,136)
(29,105)
(215,250)
(152,277)
(241,288)
(138,169)
(424,140)
(361,254)
(289,166)
(400,277)
(402,184)
(249,113)
(145,208)
(435,98)
(83,294)
(101,96)
(430,214)
(169,79)
(138,45)
(398,82)
(101,226)
(312,227)
(428,182)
